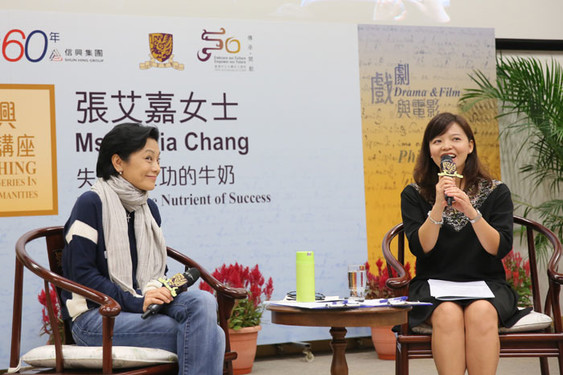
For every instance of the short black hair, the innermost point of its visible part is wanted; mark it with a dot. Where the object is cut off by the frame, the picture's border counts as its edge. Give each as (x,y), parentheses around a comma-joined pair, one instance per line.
(123,140)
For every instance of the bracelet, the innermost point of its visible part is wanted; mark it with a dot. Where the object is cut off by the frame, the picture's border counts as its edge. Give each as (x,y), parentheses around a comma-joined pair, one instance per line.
(476,219)
(434,221)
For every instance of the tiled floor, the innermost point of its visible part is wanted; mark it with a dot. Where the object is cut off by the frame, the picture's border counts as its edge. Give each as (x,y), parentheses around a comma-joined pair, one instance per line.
(362,362)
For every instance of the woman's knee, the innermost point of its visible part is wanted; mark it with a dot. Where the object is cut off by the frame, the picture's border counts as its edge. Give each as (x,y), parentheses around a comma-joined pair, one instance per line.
(481,316)
(198,302)
(447,315)
(205,299)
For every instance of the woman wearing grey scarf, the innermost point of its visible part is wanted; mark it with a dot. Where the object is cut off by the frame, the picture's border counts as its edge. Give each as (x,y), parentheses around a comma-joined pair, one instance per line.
(114,244)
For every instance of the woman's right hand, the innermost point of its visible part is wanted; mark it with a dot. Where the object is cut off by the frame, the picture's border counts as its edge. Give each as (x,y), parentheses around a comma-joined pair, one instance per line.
(444,183)
(157,296)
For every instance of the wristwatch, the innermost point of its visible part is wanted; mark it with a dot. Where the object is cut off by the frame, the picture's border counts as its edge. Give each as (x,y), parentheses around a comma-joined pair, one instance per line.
(476,219)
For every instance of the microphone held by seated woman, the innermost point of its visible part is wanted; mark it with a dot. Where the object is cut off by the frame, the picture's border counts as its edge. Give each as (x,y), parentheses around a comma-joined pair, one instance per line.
(462,241)
(114,244)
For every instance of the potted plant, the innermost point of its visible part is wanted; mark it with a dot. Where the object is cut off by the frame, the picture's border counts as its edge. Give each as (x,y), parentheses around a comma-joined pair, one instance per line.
(383,337)
(530,98)
(518,277)
(46,327)
(244,322)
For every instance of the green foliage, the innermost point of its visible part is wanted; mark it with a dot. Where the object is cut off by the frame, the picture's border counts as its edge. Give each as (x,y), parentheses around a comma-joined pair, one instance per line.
(531,92)
(245,314)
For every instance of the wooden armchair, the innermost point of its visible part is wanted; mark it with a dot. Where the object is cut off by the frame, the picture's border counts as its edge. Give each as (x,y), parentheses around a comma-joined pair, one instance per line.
(109,308)
(543,343)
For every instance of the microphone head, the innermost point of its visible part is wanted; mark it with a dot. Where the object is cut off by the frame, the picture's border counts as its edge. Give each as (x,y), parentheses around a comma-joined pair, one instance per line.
(447,165)
(192,275)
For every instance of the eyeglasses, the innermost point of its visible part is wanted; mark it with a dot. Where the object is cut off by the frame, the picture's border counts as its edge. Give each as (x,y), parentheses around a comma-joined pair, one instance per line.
(293,295)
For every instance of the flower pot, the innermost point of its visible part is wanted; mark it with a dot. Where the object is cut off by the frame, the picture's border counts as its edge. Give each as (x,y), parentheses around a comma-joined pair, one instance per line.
(243,341)
(384,342)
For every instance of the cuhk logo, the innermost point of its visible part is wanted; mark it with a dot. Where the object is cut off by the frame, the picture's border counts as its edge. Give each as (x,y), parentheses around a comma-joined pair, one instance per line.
(161,46)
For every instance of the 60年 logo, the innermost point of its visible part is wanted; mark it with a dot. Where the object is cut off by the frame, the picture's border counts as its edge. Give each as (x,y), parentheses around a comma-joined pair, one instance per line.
(16,45)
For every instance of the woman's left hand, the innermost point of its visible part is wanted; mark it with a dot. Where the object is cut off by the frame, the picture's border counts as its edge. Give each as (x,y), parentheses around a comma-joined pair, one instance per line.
(460,200)
(488,236)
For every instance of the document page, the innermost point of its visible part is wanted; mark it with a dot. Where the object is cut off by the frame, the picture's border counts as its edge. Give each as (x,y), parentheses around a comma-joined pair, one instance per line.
(345,303)
(455,290)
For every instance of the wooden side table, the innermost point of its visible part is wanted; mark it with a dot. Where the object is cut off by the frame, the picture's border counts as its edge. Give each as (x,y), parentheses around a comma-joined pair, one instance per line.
(338,320)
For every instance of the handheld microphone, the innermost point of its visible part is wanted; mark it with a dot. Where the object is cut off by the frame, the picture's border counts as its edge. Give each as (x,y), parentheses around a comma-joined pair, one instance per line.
(176,284)
(448,168)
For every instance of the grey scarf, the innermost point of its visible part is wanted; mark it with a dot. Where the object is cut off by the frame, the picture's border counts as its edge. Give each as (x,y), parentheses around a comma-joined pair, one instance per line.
(118,195)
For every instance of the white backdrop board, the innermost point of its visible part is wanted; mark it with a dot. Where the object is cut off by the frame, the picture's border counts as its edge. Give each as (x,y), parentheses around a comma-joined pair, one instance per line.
(261,143)
(261,133)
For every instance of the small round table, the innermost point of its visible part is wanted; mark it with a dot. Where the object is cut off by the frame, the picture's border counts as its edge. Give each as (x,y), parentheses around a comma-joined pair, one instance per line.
(338,319)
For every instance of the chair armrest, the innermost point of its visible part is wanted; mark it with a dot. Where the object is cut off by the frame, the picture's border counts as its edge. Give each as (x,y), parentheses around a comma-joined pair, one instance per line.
(553,263)
(108,306)
(555,279)
(398,284)
(555,276)
(234,293)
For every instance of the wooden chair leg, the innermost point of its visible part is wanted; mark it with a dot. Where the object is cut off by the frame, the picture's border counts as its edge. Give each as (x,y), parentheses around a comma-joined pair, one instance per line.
(401,360)
(397,359)
(544,366)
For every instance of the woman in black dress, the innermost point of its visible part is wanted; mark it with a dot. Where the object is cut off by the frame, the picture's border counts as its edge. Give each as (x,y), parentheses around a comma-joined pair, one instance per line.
(462,242)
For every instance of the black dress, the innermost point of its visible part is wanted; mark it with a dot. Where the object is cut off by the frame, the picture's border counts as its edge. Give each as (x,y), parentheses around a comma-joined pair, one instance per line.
(458,254)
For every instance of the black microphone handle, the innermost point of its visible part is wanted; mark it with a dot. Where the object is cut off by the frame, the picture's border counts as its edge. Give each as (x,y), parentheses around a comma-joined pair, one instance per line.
(152,310)
(191,276)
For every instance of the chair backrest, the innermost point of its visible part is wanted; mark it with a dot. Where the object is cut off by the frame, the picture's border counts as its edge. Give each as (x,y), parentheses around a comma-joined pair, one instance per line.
(55,243)
(551,307)
(53,236)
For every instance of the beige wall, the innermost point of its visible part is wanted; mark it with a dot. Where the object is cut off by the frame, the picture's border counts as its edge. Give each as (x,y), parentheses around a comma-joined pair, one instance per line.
(509,145)
(511,162)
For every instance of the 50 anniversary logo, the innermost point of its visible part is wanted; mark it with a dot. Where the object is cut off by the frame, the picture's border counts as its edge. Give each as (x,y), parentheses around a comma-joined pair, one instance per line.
(231,44)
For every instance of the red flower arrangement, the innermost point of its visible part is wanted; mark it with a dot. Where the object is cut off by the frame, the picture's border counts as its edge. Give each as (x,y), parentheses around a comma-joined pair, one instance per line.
(375,287)
(247,312)
(518,276)
(46,328)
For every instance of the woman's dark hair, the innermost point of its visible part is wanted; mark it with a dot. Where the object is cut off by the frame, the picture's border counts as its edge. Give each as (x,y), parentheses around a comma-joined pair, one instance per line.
(426,171)
(123,140)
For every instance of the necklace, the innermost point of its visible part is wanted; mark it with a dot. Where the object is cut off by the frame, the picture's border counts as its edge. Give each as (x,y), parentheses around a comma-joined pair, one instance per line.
(128,216)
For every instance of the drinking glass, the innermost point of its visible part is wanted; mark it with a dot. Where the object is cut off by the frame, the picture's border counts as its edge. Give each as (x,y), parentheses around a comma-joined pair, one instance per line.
(357,281)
